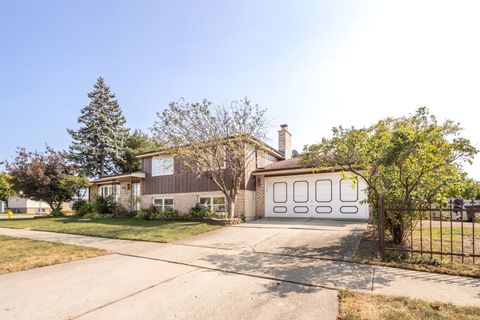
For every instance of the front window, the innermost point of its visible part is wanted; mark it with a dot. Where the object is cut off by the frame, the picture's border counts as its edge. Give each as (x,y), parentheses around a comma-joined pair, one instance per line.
(162,166)
(163,204)
(110,191)
(213,203)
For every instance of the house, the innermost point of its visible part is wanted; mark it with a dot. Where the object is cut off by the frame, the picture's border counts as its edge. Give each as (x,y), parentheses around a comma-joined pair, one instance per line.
(276,185)
(25,205)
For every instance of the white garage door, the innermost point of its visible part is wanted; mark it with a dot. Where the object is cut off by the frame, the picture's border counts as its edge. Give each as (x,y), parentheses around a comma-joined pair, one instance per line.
(322,195)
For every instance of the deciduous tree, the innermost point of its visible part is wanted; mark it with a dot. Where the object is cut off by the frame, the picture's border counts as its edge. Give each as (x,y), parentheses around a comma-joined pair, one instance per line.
(6,188)
(412,161)
(218,141)
(45,176)
(135,143)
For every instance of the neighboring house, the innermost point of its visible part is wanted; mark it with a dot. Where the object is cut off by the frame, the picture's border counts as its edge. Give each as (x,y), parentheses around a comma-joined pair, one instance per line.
(25,205)
(276,185)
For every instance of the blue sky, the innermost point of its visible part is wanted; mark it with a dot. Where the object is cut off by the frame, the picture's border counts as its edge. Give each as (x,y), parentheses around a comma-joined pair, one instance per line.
(313,64)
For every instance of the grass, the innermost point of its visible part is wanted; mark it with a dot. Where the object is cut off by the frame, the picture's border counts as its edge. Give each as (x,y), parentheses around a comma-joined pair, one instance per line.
(368,253)
(117,228)
(363,306)
(20,254)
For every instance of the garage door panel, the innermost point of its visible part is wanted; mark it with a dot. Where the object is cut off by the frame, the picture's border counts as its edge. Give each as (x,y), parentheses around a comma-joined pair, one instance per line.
(323,195)
(348,190)
(300,191)
(323,190)
(323,209)
(301,209)
(280,192)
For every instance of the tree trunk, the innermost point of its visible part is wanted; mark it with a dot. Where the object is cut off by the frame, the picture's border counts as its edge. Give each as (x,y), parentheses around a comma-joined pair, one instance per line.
(102,168)
(397,228)
(231,207)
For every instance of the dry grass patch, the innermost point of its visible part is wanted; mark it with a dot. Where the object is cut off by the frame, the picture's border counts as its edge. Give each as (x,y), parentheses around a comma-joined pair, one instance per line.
(368,253)
(20,254)
(362,306)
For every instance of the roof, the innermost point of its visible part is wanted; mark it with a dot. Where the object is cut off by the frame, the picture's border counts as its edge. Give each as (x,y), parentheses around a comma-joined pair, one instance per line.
(115,177)
(292,166)
(293,163)
(266,147)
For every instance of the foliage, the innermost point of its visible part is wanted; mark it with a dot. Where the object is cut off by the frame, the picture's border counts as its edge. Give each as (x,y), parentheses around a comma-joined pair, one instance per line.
(86,208)
(412,161)
(105,205)
(148,214)
(46,176)
(95,215)
(98,145)
(78,204)
(136,142)
(208,138)
(6,188)
(199,211)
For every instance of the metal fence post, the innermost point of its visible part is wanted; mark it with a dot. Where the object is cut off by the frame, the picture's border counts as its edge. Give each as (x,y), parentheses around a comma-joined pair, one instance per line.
(381,226)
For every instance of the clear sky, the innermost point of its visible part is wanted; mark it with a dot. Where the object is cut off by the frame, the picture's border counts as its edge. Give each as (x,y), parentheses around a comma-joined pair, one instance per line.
(313,64)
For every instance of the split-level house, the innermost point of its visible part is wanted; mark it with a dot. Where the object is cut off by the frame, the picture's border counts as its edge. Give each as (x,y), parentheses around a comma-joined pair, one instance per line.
(275,185)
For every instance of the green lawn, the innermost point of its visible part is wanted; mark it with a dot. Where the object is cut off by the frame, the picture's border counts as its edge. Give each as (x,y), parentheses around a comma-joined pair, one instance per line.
(368,253)
(362,306)
(20,254)
(118,228)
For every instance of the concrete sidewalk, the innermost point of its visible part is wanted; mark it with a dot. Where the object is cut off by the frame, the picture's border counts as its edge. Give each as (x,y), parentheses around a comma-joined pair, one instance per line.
(310,272)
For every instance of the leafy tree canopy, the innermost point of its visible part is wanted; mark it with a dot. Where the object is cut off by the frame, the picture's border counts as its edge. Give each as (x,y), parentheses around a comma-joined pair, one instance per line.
(136,142)
(45,176)
(412,161)
(213,140)
(6,188)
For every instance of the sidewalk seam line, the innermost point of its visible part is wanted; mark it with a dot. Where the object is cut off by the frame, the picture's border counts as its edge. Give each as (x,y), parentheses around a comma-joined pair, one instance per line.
(131,294)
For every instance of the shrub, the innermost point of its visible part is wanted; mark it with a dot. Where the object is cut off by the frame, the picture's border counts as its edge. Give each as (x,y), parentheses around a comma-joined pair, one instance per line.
(56,213)
(148,214)
(86,208)
(95,215)
(199,211)
(78,204)
(105,205)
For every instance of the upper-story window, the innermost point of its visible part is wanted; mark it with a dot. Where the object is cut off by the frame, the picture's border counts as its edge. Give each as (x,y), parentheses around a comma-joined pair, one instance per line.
(162,166)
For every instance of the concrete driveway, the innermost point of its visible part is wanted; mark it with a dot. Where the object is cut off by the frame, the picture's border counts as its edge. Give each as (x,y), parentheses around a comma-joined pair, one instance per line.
(240,272)
(327,239)
(266,269)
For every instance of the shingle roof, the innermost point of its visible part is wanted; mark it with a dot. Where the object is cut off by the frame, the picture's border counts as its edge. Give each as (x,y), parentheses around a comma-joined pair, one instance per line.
(293,163)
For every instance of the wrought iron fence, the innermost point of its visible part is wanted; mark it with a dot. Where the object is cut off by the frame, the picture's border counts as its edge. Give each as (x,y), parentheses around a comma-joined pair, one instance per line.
(445,232)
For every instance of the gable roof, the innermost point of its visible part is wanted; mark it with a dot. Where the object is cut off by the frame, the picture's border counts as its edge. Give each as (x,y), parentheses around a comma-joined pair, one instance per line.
(269,149)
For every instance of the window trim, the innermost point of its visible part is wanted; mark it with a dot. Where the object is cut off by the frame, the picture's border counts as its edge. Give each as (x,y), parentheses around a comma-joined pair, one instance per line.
(212,205)
(161,166)
(163,202)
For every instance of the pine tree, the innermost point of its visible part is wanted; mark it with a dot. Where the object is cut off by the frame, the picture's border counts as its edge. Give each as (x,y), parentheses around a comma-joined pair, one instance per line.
(98,144)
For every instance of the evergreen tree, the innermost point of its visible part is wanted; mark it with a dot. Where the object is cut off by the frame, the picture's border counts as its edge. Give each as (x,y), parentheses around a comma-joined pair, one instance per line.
(98,144)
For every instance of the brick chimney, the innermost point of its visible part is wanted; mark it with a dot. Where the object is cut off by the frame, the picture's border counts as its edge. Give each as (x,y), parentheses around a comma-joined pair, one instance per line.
(285,141)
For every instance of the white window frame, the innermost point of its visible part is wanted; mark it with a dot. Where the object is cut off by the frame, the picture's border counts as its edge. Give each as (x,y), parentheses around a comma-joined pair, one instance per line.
(162,206)
(212,205)
(111,190)
(161,166)
(222,167)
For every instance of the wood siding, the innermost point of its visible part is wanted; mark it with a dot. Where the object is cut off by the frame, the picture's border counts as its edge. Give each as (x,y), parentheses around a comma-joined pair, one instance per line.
(178,182)
(182,181)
